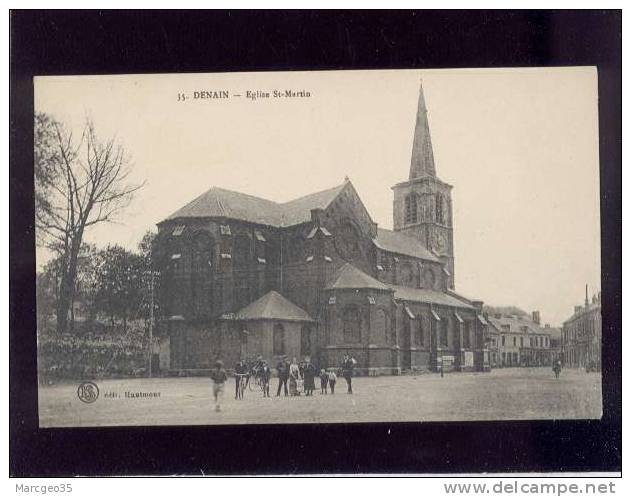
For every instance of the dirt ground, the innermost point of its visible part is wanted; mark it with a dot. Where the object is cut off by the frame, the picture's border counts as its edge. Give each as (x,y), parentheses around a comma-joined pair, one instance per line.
(503,394)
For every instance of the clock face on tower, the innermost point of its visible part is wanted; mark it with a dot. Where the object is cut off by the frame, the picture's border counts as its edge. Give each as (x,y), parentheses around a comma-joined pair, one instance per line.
(439,242)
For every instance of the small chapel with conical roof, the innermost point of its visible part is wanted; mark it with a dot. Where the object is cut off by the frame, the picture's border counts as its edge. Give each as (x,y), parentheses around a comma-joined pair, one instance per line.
(242,276)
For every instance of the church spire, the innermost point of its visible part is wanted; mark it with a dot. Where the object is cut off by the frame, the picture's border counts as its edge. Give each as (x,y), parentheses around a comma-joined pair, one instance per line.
(422,163)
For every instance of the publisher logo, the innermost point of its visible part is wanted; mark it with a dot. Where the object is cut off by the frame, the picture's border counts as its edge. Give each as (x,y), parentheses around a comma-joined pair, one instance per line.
(88,392)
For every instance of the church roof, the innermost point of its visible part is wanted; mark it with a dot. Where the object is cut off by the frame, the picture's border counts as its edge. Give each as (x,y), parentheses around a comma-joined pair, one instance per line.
(272,305)
(400,243)
(427,296)
(298,211)
(218,202)
(422,163)
(349,277)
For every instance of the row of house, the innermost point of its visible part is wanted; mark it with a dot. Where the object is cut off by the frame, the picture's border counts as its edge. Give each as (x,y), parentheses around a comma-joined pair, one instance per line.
(582,335)
(520,340)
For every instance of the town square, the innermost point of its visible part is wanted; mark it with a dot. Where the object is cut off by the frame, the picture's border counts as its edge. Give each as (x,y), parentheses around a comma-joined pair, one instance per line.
(503,394)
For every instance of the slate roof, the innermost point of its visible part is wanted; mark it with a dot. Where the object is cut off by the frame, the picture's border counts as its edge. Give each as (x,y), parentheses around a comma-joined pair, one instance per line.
(218,202)
(516,324)
(272,305)
(349,277)
(400,243)
(425,295)
(422,163)
(298,211)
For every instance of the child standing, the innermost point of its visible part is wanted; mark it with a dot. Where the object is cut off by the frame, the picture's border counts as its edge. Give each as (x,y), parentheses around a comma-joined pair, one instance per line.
(219,377)
(332,380)
(324,381)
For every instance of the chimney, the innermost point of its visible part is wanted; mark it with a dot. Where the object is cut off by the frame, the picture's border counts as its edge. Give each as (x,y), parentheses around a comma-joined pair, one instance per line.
(316,216)
(547,325)
(536,317)
(586,297)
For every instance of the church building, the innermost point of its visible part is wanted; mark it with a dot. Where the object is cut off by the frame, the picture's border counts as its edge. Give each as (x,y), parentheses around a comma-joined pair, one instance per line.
(242,276)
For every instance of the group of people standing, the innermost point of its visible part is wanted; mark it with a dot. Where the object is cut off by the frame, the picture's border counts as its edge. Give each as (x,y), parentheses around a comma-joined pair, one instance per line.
(293,377)
(294,373)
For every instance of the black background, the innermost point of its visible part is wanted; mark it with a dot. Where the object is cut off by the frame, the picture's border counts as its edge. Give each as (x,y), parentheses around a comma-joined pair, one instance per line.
(108,42)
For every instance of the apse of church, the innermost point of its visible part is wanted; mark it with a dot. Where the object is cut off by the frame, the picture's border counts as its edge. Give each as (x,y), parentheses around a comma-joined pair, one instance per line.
(242,276)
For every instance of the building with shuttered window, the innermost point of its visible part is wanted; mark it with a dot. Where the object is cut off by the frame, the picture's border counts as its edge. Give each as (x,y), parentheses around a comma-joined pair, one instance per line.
(582,335)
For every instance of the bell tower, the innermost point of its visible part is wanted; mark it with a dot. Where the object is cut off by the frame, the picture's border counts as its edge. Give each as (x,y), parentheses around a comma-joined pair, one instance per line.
(422,205)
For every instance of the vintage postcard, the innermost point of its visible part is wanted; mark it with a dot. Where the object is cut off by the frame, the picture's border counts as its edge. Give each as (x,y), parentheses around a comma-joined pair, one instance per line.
(318,247)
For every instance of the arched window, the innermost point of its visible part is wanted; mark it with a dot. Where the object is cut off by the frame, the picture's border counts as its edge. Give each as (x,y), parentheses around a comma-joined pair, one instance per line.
(174,284)
(419,332)
(351,324)
(381,327)
(444,332)
(242,251)
(175,257)
(242,290)
(240,338)
(408,273)
(347,241)
(241,258)
(440,215)
(278,339)
(305,340)
(411,209)
(429,278)
(202,251)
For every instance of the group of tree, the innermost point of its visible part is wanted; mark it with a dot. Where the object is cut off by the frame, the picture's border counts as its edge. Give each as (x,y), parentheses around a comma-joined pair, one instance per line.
(82,181)
(113,285)
(507,310)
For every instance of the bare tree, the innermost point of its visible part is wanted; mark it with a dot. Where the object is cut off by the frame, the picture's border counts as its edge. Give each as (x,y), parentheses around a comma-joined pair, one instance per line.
(82,182)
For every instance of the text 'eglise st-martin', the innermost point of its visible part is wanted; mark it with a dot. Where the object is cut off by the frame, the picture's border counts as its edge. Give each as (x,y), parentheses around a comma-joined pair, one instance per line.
(248,94)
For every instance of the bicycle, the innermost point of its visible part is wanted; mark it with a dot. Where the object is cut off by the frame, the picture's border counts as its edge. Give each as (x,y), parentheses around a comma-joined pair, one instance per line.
(243,383)
(258,383)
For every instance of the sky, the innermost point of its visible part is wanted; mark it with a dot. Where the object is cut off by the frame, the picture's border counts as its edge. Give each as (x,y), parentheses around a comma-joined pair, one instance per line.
(519,146)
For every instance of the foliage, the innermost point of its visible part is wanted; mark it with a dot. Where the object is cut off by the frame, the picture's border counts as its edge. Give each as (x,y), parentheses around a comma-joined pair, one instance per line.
(506,310)
(79,182)
(119,276)
(112,283)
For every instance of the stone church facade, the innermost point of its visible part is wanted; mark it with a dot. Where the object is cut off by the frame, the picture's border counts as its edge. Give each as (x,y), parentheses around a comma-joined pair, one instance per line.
(242,276)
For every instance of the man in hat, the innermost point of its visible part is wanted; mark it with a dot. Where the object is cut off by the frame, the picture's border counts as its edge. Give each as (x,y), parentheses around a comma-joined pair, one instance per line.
(219,377)
(283,375)
(348,364)
(240,370)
